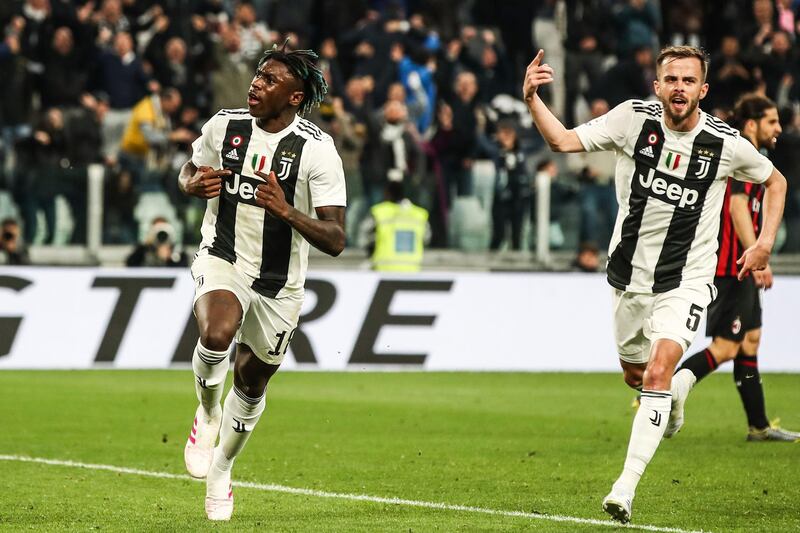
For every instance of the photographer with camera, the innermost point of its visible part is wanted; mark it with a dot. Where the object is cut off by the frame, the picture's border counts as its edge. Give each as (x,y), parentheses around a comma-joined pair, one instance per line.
(12,250)
(158,249)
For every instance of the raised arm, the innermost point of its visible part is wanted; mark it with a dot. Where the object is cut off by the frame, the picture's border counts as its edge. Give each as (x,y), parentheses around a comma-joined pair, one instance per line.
(325,233)
(756,257)
(559,138)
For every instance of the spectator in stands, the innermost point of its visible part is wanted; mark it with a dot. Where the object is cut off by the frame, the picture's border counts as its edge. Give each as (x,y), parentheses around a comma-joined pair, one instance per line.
(597,196)
(392,151)
(729,76)
(16,98)
(638,23)
(119,204)
(12,248)
(120,75)
(512,191)
(158,249)
(396,232)
(630,78)
(233,71)
(786,157)
(778,68)
(583,66)
(66,71)
(349,138)
(110,21)
(149,134)
(254,35)
(756,32)
(457,145)
(330,66)
(40,167)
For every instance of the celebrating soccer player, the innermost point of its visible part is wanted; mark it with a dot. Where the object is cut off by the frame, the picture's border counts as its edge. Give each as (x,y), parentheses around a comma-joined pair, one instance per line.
(673,161)
(734,319)
(265,172)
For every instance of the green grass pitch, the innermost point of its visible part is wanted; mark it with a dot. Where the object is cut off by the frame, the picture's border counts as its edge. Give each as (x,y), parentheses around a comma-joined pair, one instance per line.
(550,444)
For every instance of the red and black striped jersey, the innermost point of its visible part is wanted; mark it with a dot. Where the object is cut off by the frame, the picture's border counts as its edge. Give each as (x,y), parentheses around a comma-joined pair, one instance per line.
(730,247)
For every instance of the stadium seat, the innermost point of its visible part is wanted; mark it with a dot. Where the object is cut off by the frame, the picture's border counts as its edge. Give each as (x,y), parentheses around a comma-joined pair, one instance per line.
(469,225)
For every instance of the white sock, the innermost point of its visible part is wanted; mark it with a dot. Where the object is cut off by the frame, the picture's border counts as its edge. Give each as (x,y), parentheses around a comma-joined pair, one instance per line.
(649,425)
(240,415)
(210,370)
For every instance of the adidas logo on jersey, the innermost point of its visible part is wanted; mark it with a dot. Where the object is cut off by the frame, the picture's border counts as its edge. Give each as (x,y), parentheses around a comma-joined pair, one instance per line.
(232,155)
(669,191)
(647,150)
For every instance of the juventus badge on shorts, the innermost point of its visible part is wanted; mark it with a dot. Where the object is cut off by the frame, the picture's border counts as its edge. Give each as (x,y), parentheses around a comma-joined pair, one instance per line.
(199,281)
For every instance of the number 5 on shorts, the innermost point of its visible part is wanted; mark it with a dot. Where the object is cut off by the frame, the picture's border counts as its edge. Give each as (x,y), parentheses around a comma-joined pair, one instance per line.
(695,314)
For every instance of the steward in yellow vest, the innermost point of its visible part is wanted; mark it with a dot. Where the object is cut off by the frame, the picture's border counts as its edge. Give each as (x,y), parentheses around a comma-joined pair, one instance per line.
(401,229)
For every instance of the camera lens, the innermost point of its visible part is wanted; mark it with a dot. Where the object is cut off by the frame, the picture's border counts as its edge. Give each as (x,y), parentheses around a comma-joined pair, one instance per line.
(162,237)
(8,236)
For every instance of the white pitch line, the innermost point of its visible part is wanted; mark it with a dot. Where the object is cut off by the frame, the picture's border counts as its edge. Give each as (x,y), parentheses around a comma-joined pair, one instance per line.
(270,487)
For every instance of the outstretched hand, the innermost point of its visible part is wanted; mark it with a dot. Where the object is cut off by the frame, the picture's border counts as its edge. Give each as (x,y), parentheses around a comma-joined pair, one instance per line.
(270,196)
(536,75)
(206,183)
(753,259)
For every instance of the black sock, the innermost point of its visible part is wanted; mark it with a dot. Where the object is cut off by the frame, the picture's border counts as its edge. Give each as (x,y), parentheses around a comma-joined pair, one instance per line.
(701,364)
(748,381)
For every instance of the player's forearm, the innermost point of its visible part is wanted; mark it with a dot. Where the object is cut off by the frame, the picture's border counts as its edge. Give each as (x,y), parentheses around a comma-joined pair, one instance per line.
(325,235)
(559,138)
(742,224)
(187,171)
(774,200)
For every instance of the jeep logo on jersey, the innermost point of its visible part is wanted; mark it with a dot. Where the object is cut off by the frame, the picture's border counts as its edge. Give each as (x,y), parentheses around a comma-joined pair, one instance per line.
(243,187)
(669,190)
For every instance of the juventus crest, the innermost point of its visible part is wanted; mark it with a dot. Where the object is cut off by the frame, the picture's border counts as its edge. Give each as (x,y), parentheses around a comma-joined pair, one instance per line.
(285,162)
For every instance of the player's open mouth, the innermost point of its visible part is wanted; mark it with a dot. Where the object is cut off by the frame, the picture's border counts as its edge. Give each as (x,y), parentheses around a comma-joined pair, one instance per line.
(679,104)
(252,99)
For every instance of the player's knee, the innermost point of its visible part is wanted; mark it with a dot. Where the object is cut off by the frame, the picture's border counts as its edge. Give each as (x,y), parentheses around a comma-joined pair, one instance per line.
(217,338)
(724,350)
(633,378)
(752,338)
(658,374)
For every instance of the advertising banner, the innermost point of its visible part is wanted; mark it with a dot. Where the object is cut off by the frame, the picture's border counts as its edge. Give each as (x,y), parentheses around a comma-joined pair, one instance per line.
(351,320)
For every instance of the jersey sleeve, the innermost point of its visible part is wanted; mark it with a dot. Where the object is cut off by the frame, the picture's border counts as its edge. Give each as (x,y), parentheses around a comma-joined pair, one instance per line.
(737,187)
(748,164)
(607,132)
(326,176)
(205,152)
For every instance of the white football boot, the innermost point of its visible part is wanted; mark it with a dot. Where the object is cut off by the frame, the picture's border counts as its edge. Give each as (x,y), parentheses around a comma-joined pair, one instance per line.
(199,450)
(618,505)
(219,494)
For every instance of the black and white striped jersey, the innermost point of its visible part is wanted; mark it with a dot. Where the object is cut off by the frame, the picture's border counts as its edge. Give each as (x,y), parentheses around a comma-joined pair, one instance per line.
(309,170)
(670,187)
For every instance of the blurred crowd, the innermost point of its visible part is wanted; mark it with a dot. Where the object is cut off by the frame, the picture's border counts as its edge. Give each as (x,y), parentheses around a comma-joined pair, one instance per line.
(424,92)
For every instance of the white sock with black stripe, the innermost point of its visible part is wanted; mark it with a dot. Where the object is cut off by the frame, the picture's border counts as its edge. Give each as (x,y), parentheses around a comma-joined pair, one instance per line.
(239,417)
(648,428)
(210,370)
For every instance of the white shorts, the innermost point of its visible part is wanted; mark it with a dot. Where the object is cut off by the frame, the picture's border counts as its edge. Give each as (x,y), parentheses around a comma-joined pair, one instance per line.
(641,319)
(268,324)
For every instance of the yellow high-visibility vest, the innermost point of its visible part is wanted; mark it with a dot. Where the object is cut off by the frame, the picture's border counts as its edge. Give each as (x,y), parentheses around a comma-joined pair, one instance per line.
(399,236)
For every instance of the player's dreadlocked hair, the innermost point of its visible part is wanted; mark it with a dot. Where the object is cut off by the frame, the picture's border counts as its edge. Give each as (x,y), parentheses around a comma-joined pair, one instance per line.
(303,66)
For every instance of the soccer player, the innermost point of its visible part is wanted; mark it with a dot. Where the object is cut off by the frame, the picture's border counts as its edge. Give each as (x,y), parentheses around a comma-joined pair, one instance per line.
(673,161)
(274,183)
(734,319)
